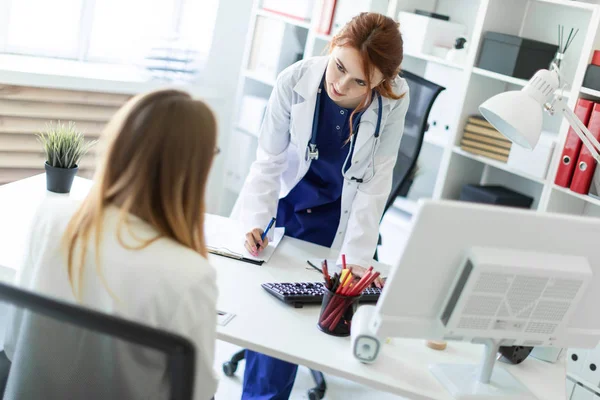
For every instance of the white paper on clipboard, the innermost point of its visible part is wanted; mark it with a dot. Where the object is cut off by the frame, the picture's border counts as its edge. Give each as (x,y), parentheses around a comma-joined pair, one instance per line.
(223,317)
(228,236)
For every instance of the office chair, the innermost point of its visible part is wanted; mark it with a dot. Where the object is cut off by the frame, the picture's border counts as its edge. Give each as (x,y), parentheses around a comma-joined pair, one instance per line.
(422,96)
(65,351)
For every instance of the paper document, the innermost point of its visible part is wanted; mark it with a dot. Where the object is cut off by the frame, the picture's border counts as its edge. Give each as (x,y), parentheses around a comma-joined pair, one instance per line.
(332,267)
(224,317)
(226,236)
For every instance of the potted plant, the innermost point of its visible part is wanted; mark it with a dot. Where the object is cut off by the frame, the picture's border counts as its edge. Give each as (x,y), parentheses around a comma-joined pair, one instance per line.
(64,147)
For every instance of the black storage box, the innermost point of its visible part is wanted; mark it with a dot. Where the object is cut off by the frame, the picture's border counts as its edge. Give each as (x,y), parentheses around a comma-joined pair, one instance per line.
(514,56)
(492,194)
(591,79)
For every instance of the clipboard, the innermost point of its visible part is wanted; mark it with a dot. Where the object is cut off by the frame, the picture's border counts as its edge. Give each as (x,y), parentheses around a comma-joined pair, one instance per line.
(225,237)
(236,256)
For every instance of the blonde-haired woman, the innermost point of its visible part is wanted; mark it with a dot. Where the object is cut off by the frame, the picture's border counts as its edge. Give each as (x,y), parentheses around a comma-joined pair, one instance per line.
(135,246)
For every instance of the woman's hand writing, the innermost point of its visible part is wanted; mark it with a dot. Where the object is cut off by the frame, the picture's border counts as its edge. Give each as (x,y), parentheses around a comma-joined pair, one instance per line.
(253,243)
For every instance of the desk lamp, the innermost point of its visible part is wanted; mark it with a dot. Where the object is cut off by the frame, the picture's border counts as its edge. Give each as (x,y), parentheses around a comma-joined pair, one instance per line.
(518,114)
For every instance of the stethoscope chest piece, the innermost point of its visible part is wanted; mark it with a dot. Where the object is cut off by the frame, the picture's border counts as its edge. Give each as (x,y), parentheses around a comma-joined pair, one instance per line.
(312,153)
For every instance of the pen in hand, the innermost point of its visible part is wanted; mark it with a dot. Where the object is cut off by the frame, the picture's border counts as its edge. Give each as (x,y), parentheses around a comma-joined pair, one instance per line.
(264,235)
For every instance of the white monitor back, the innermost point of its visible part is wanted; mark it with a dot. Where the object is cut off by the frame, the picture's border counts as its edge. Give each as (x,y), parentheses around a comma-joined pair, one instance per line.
(441,236)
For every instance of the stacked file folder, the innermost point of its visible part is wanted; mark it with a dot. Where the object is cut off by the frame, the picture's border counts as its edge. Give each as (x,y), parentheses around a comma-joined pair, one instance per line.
(481,138)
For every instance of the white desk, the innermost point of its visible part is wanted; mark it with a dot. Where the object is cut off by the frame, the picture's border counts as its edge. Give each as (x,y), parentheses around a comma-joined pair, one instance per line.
(265,324)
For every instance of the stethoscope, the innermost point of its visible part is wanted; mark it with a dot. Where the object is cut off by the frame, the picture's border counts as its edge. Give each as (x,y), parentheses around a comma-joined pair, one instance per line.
(312,152)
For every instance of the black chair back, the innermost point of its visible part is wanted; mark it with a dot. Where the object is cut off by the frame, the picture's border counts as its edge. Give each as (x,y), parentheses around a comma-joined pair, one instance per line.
(422,96)
(62,350)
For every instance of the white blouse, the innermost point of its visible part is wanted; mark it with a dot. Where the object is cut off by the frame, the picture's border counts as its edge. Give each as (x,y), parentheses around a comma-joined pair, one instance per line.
(164,285)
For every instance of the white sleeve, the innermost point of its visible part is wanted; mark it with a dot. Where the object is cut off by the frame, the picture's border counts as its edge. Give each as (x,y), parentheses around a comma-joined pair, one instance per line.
(257,202)
(369,203)
(196,319)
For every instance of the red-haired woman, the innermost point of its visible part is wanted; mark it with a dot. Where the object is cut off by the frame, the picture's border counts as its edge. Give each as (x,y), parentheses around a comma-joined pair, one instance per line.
(327,149)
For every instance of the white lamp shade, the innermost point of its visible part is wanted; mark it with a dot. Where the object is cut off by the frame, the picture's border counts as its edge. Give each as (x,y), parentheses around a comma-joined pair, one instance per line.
(516,115)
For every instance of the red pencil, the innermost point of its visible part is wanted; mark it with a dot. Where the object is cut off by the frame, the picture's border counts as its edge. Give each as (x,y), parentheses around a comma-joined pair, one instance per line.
(366,284)
(326,274)
(343,261)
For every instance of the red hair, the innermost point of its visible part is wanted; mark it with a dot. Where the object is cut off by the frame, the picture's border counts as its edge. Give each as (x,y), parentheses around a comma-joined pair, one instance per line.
(378,40)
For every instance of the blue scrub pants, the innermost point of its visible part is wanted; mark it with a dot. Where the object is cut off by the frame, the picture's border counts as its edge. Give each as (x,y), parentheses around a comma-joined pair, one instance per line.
(267,378)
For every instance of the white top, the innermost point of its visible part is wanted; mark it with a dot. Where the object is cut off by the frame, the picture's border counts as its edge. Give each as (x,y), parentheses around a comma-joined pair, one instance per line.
(164,285)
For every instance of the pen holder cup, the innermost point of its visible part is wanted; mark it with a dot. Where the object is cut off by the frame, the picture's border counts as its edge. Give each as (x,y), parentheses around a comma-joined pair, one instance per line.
(336,313)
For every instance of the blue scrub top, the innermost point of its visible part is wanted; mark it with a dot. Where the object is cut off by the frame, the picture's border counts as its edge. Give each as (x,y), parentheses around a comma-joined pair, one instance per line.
(311,211)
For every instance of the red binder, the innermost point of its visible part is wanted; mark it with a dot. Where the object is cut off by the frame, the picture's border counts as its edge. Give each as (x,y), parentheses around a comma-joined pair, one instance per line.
(326,17)
(570,152)
(586,164)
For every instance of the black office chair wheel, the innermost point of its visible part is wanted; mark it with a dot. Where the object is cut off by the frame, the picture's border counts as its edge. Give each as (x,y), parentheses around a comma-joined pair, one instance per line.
(315,394)
(229,368)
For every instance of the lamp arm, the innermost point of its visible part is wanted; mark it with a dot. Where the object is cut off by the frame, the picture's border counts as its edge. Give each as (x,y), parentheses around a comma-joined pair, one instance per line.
(581,130)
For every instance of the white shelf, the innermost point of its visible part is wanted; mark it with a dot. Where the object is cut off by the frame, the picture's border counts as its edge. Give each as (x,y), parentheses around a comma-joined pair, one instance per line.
(511,80)
(497,164)
(584,197)
(436,139)
(583,382)
(287,20)
(590,92)
(570,3)
(259,78)
(500,77)
(437,60)
(325,38)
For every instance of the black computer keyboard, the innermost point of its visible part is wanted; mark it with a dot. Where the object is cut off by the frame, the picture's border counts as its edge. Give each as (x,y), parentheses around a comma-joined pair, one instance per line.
(300,293)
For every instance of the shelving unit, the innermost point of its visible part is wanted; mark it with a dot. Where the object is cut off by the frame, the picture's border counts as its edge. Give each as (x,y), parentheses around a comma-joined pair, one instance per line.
(589,199)
(434,59)
(499,77)
(590,92)
(444,166)
(497,164)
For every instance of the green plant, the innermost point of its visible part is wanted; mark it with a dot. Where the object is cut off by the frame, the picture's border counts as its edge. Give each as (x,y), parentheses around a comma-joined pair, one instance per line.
(63,144)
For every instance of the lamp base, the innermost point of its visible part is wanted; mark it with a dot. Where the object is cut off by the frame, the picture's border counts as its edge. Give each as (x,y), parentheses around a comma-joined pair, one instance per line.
(462,381)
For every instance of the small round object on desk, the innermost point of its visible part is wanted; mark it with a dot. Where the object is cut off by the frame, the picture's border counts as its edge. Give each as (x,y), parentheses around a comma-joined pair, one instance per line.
(229,368)
(436,345)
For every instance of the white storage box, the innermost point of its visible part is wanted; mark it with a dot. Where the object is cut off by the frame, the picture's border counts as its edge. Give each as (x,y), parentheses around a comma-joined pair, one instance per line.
(252,111)
(421,34)
(533,162)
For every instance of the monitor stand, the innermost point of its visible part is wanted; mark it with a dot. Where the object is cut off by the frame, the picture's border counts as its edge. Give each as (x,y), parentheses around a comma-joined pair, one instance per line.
(481,382)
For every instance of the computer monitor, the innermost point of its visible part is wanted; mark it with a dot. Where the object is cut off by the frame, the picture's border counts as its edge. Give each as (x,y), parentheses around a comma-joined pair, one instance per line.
(494,275)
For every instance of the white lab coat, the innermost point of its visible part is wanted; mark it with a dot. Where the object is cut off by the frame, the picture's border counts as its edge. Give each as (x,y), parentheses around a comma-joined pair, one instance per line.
(280,163)
(165,285)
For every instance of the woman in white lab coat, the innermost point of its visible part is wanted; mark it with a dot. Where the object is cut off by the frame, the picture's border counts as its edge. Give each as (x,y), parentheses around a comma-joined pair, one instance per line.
(134,248)
(327,149)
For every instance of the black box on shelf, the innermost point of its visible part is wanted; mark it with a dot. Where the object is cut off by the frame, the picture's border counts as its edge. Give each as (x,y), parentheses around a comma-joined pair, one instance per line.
(495,194)
(591,80)
(514,56)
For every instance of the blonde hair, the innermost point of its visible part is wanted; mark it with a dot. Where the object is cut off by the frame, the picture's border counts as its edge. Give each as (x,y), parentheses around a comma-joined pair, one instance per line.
(159,149)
